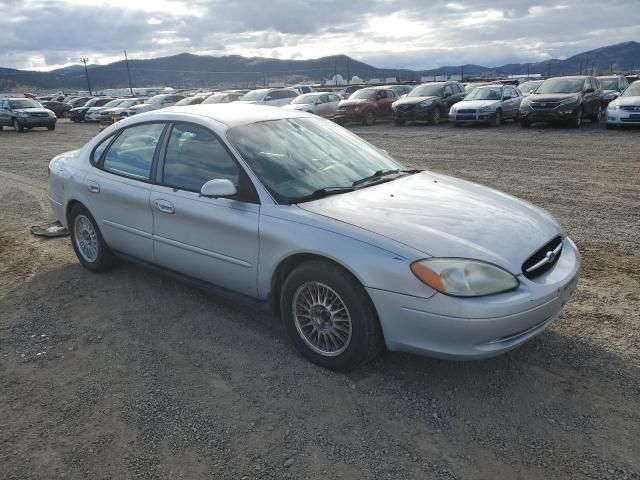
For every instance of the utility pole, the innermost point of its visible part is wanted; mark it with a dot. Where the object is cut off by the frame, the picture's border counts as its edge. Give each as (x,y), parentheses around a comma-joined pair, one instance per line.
(548,70)
(528,65)
(335,71)
(348,71)
(462,73)
(86,72)
(126,61)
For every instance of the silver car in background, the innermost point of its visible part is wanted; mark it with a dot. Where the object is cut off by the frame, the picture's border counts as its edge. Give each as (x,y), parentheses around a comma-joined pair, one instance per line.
(625,110)
(490,104)
(350,249)
(323,104)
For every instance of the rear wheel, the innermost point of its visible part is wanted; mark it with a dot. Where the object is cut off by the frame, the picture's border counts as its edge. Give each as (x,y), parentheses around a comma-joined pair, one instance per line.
(434,116)
(329,317)
(369,119)
(598,115)
(17,127)
(92,251)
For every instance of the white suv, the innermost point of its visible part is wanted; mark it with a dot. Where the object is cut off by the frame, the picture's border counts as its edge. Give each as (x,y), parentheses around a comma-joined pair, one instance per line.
(275,97)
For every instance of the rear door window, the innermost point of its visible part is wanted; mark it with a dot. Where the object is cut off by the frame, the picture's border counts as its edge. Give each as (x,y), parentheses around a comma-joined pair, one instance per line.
(131,154)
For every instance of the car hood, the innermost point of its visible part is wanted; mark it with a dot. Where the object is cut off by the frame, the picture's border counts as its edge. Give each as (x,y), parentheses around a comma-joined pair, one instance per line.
(414,100)
(32,110)
(635,101)
(551,97)
(445,217)
(249,102)
(475,104)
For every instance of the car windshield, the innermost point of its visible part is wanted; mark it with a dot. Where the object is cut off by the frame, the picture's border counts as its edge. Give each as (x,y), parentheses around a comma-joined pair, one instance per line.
(157,100)
(428,90)
(632,90)
(113,103)
(526,87)
(485,93)
(561,85)
(295,157)
(129,103)
(364,94)
(306,99)
(217,98)
(15,104)
(609,83)
(254,95)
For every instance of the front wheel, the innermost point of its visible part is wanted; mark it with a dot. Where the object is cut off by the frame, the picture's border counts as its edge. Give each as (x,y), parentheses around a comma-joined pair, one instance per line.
(329,316)
(92,251)
(577,122)
(51,127)
(434,116)
(497,119)
(598,115)
(17,127)
(369,119)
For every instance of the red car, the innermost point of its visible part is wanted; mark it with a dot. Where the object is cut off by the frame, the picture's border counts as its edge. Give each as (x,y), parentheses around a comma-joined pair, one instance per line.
(366,106)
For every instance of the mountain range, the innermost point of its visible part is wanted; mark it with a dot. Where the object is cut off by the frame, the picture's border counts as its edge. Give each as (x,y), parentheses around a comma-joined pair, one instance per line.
(193,71)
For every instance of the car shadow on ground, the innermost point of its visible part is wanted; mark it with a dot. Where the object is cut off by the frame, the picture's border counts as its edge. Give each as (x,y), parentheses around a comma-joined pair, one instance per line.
(133,334)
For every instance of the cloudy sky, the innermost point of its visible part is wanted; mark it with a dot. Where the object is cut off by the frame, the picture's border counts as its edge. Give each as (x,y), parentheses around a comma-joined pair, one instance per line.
(43,34)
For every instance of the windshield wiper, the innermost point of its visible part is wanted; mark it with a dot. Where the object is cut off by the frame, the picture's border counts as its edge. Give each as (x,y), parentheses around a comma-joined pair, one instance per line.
(324,192)
(378,174)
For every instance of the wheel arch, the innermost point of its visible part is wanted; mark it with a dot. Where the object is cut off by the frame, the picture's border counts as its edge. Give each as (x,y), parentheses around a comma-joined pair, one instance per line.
(288,264)
(70,204)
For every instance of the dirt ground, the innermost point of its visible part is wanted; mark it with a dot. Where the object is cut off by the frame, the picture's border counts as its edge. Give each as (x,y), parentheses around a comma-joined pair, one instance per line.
(132,375)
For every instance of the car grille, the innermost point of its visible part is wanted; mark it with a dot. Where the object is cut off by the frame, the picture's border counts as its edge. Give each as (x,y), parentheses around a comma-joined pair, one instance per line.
(39,114)
(630,108)
(463,110)
(543,259)
(406,107)
(544,105)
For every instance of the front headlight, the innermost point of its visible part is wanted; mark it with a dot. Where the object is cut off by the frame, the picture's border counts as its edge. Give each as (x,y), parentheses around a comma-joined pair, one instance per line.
(50,113)
(613,107)
(570,100)
(426,103)
(485,109)
(461,277)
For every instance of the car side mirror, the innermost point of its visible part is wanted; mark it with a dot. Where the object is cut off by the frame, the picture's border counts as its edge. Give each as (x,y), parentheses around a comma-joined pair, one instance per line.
(530,91)
(219,187)
(589,90)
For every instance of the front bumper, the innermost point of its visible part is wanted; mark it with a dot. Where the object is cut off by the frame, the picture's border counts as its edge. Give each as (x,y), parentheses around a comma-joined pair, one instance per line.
(554,115)
(475,117)
(412,114)
(623,117)
(36,121)
(348,116)
(482,327)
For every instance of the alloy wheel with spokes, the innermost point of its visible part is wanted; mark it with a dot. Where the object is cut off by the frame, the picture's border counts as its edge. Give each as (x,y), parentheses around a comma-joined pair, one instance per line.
(86,238)
(322,319)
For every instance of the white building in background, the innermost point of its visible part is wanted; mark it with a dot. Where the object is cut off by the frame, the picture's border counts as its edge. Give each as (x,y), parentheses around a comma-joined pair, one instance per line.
(355,80)
(390,80)
(336,80)
(374,80)
(441,77)
(276,84)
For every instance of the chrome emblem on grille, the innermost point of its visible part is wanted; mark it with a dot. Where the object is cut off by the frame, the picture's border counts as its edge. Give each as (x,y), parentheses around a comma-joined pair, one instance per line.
(550,256)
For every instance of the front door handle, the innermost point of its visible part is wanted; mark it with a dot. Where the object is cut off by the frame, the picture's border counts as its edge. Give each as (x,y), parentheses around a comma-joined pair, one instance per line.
(93,187)
(164,206)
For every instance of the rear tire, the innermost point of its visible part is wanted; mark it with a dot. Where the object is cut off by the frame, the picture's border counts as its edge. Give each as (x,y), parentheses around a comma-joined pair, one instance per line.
(596,118)
(356,337)
(90,248)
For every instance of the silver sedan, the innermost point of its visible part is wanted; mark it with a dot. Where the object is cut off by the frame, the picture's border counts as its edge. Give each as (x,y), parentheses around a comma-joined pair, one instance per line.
(490,104)
(350,249)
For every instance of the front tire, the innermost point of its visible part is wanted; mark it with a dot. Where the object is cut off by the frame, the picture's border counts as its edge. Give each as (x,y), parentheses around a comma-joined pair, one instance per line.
(434,116)
(577,122)
(596,118)
(329,316)
(51,127)
(369,119)
(17,127)
(497,119)
(90,248)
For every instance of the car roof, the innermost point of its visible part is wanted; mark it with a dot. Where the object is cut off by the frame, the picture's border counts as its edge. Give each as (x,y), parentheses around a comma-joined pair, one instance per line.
(234,114)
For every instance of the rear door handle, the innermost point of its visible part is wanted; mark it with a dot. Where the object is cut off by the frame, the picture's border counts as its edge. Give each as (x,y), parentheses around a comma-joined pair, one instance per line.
(93,187)
(164,206)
